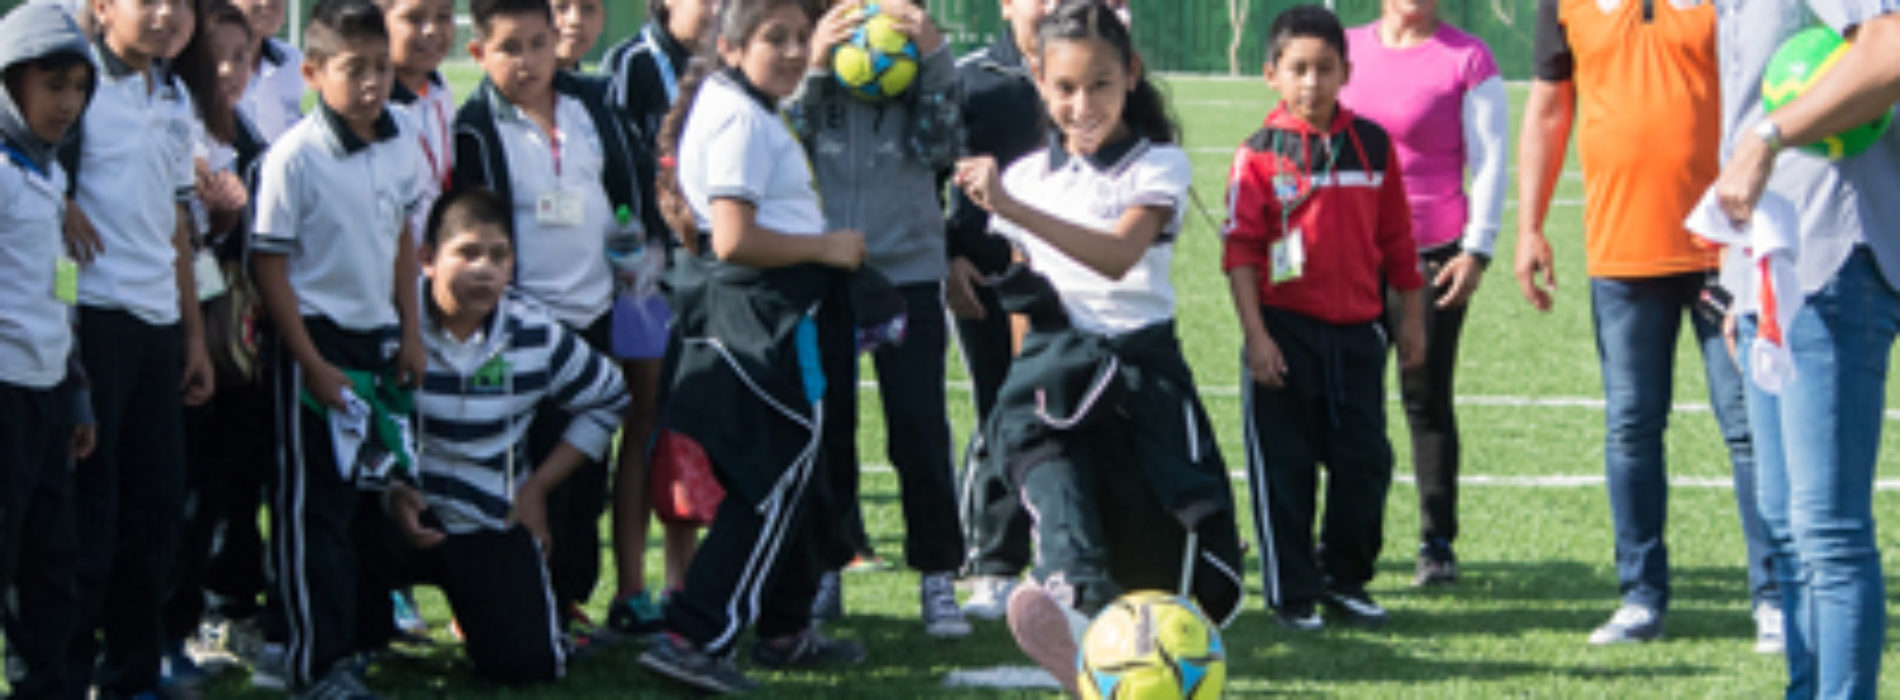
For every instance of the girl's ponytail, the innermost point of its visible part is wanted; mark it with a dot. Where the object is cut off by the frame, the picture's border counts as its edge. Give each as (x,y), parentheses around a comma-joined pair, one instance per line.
(673,206)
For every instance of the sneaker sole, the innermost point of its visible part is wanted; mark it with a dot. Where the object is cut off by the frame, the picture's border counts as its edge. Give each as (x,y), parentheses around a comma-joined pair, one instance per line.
(654,663)
(1042,631)
(273,683)
(985,612)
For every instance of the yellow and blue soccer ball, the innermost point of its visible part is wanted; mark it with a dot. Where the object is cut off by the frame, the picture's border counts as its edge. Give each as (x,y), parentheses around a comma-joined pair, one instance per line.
(1797,66)
(1150,645)
(878,62)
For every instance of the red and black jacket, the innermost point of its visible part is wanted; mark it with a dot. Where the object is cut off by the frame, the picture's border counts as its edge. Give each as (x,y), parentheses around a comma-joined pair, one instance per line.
(1348,204)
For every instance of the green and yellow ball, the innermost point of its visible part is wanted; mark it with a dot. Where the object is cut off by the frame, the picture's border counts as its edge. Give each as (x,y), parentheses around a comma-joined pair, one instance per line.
(1796,67)
(878,62)
(1150,645)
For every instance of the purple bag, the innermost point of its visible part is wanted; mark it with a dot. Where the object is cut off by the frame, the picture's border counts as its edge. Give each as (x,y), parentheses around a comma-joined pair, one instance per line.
(640,326)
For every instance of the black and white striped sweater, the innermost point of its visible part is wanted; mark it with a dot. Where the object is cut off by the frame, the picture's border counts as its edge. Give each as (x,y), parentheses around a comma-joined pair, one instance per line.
(479,397)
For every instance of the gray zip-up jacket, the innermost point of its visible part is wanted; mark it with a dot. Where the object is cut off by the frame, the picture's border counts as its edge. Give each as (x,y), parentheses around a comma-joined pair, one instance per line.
(877,163)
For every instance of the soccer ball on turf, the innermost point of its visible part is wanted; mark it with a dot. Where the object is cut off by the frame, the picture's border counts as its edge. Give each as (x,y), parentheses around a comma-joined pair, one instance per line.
(1797,66)
(878,61)
(1150,645)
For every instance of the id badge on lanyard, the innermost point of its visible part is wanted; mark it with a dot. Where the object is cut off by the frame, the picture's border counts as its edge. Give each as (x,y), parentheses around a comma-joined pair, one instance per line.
(1289,252)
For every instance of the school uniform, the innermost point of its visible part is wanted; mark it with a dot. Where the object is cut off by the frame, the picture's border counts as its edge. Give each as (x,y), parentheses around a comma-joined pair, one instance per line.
(565,187)
(761,393)
(336,206)
(430,115)
(41,389)
(221,549)
(1000,107)
(1322,217)
(130,179)
(274,99)
(878,165)
(1098,424)
(473,413)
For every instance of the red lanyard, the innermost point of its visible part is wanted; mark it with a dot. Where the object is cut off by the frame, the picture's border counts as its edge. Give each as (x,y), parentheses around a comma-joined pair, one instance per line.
(554,143)
(437,166)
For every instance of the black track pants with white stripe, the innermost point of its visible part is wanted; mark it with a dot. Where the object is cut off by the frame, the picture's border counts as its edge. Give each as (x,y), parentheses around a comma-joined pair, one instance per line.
(1331,411)
(500,590)
(314,509)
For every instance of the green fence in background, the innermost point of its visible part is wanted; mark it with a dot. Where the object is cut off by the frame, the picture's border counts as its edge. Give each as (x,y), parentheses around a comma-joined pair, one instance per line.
(1189,36)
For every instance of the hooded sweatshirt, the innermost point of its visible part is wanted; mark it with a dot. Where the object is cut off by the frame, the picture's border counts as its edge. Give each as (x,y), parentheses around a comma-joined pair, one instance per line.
(876,164)
(35,332)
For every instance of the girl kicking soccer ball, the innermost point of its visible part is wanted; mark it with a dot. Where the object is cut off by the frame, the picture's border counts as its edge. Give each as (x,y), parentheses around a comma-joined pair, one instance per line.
(1099,414)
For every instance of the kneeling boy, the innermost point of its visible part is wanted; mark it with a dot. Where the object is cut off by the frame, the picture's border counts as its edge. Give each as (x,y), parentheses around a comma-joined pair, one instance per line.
(478,512)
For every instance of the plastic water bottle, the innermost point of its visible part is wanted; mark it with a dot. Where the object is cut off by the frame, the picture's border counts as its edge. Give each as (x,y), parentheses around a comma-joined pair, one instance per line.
(626,250)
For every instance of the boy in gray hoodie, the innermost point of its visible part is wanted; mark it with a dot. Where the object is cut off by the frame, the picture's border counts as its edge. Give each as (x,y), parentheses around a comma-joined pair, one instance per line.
(45,421)
(876,165)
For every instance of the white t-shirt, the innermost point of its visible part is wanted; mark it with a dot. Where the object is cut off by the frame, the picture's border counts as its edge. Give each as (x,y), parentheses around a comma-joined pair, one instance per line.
(274,100)
(736,145)
(431,117)
(134,170)
(1093,192)
(562,266)
(35,332)
(337,207)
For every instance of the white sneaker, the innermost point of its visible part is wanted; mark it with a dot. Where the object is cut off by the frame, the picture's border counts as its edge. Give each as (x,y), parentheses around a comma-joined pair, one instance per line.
(1769,629)
(938,595)
(1631,623)
(989,597)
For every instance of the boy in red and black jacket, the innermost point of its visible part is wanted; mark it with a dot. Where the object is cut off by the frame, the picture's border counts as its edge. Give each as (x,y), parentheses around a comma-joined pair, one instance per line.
(1317,226)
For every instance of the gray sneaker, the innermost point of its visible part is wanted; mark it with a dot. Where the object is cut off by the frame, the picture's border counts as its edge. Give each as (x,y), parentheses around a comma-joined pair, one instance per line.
(270,668)
(828,605)
(674,657)
(340,683)
(1631,623)
(937,594)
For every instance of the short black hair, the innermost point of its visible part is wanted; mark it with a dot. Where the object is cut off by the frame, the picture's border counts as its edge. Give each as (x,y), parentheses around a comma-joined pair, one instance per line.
(56,62)
(1305,21)
(482,12)
(465,208)
(335,24)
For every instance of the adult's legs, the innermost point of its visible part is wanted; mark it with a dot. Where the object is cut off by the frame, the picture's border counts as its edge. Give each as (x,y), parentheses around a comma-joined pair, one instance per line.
(1818,442)
(1427,394)
(1636,323)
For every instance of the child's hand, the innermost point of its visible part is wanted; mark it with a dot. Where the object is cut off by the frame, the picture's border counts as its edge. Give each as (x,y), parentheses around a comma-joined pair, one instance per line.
(981,179)
(198,381)
(959,290)
(406,505)
(531,511)
(82,240)
(223,192)
(325,383)
(1265,362)
(915,23)
(411,363)
(85,437)
(833,29)
(1412,342)
(843,249)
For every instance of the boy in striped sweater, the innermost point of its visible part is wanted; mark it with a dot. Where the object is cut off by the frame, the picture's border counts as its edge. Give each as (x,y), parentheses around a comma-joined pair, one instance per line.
(477,512)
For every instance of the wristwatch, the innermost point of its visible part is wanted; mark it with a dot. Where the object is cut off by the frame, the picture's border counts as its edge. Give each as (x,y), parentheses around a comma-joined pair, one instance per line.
(1769,133)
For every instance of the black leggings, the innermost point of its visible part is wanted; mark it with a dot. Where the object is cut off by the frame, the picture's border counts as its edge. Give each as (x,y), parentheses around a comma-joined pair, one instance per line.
(1427,394)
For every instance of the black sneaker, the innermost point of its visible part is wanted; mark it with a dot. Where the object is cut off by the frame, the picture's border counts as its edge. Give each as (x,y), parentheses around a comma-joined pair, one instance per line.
(1303,616)
(807,649)
(1357,608)
(1437,565)
(672,656)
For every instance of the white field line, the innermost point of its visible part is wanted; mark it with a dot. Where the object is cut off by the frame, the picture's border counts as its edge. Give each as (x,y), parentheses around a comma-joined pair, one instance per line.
(1551,481)
(1488,400)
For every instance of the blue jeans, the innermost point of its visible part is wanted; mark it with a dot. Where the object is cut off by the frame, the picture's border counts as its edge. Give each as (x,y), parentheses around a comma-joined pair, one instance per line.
(1817,443)
(1637,321)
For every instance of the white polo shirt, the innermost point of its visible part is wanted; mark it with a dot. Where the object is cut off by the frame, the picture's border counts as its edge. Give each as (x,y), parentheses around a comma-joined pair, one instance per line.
(274,100)
(1093,192)
(134,169)
(562,265)
(737,145)
(337,207)
(35,332)
(431,117)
